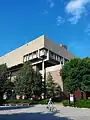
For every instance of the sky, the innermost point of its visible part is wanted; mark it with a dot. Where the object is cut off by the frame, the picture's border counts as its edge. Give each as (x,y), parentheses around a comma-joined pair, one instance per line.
(63,21)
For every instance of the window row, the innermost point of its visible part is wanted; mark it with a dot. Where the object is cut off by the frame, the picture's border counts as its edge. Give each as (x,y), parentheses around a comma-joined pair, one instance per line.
(57,57)
(30,56)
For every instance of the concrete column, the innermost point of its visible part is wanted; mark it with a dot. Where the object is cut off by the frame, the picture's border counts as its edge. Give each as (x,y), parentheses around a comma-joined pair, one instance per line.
(48,55)
(43,71)
(43,81)
(63,61)
(38,53)
(60,61)
(60,64)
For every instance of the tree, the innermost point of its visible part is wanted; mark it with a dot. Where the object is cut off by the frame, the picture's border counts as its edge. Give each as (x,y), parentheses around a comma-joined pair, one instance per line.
(75,75)
(3,79)
(85,85)
(52,88)
(28,81)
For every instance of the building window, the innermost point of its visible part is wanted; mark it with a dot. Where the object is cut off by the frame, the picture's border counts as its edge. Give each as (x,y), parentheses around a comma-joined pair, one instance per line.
(61,59)
(43,52)
(51,53)
(29,56)
(25,58)
(58,58)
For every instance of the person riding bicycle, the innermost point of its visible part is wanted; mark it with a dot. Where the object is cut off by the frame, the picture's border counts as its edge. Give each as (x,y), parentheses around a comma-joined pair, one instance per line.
(50,105)
(50,102)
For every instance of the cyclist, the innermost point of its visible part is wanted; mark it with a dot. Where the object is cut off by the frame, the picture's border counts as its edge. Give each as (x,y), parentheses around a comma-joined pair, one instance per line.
(50,103)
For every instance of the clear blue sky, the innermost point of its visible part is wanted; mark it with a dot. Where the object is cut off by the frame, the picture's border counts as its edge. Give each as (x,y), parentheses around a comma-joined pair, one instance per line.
(64,21)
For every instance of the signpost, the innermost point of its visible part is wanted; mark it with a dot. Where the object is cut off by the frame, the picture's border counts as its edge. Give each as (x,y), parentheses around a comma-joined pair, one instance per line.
(71,98)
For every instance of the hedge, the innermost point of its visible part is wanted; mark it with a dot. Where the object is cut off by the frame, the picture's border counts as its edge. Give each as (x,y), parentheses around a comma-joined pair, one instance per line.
(79,103)
(20,101)
(44,101)
(25,102)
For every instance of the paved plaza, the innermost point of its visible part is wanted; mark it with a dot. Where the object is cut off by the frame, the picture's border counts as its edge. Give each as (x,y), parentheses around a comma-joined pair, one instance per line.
(40,112)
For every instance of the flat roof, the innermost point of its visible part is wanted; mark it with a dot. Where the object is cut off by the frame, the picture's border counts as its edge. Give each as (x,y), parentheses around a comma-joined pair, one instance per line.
(15,57)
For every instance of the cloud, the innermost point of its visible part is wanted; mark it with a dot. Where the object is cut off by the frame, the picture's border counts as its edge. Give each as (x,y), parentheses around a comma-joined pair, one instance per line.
(51,3)
(87,30)
(76,8)
(60,20)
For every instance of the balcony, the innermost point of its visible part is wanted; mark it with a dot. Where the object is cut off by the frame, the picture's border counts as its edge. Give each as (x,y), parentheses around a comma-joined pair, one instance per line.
(43,52)
(34,55)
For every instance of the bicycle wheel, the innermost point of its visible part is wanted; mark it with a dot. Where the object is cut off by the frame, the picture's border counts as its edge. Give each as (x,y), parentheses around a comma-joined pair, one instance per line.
(54,109)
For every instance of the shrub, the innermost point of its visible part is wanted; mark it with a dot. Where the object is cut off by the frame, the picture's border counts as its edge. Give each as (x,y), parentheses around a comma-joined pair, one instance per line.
(83,103)
(2,101)
(16,101)
(33,102)
(79,103)
(20,101)
(44,101)
(66,102)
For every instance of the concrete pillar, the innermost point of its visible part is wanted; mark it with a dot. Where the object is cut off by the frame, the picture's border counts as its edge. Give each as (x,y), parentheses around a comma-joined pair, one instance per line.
(60,61)
(48,55)
(42,70)
(38,53)
(43,81)
(63,61)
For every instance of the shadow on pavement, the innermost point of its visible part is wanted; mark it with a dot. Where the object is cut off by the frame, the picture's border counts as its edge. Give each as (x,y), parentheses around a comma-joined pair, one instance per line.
(14,107)
(32,116)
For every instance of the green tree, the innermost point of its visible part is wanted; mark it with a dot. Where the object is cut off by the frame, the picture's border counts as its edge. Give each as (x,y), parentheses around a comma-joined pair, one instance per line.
(3,79)
(52,88)
(28,81)
(75,75)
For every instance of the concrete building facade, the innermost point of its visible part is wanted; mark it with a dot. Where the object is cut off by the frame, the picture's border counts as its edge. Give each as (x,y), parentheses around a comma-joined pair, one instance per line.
(44,54)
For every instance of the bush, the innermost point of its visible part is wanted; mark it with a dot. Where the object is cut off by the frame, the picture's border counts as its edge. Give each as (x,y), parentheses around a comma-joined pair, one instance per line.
(16,101)
(79,103)
(83,103)
(2,101)
(33,102)
(20,101)
(45,101)
(66,102)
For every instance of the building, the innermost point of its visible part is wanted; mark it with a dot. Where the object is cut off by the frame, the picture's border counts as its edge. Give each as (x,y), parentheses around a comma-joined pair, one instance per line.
(44,54)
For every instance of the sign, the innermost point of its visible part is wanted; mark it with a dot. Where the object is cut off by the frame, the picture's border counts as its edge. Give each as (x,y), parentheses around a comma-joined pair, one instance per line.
(71,98)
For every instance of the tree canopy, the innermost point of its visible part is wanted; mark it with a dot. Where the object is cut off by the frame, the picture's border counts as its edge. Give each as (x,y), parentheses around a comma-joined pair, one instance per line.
(5,83)
(3,78)
(28,81)
(53,89)
(76,74)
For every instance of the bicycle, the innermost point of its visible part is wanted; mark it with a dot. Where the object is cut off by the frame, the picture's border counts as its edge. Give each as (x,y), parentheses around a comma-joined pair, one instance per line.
(52,108)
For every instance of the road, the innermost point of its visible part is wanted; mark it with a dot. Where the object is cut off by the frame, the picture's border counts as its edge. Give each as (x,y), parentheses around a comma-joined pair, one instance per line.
(40,112)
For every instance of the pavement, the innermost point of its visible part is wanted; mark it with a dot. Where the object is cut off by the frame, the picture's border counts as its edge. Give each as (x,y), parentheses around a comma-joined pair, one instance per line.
(40,112)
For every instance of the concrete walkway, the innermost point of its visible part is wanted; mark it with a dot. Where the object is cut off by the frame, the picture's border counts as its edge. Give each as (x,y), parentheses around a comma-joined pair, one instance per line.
(40,112)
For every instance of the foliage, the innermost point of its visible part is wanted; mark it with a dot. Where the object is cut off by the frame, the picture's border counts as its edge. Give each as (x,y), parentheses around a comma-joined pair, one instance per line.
(66,102)
(3,77)
(44,101)
(76,74)
(83,103)
(79,103)
(6,85)
(20,101)
(52,88)
(28,81)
